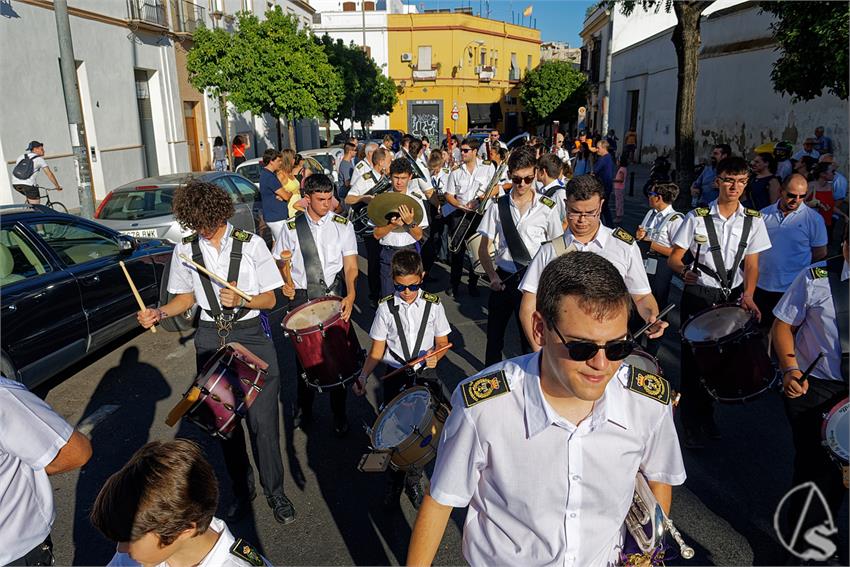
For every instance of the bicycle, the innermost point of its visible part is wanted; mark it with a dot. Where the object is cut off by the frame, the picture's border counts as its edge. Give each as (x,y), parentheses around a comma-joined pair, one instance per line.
(55,205)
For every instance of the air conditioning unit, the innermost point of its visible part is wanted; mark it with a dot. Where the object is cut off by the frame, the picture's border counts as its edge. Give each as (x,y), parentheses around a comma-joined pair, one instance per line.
(406,57)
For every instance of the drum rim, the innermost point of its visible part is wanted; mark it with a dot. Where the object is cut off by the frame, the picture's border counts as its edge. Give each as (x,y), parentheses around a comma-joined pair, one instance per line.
(730,337)
(644,354)
(313,328)
(381,415)
(845,403)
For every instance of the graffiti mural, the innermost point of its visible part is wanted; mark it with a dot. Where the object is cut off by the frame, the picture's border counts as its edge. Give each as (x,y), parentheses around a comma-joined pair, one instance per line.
(424,120)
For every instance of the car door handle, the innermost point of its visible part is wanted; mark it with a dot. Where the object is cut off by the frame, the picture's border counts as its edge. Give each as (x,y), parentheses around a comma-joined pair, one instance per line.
(10,307)
(92,280)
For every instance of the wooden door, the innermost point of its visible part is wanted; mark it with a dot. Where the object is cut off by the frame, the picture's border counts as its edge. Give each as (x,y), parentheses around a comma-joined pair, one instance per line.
(192,135)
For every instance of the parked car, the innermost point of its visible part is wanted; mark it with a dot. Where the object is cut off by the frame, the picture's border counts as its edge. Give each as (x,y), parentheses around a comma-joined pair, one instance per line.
(143,208)
(518,140)
(327,158)
(62,292)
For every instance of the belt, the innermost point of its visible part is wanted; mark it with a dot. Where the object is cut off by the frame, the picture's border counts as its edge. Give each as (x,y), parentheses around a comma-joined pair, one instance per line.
(240,324)
(405,247)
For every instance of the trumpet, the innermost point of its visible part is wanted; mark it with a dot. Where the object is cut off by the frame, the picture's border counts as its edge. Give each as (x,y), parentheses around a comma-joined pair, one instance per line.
(647,526)
(471,218)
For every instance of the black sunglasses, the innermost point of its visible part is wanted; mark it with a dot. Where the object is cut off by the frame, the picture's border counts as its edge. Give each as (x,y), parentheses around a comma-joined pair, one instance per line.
(412,287)
(793,197)
(516,180)
(585,350)
(464,150)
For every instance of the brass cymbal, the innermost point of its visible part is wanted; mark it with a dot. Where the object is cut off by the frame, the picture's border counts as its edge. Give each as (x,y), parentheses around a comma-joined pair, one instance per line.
(385,204)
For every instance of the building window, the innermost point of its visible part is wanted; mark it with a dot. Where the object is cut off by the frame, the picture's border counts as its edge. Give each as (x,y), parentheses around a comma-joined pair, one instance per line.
(423,62)
(349,6)
(528,64)
(514,74)
(483,55)
(368,6)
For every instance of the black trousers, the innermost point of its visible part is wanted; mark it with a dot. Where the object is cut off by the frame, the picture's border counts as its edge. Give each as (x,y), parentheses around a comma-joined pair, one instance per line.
(697,406)
(263,417)
(500,307)
(811,458)
(373,265)
(387,253)
(41,554)
(457,258)
(306,393)
(431,246)
(766,301)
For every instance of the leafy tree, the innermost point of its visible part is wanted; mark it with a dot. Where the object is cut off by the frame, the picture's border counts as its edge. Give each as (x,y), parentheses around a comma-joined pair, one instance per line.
(813,39)
(686,41)
(368,92)
(552,90)
(270,67)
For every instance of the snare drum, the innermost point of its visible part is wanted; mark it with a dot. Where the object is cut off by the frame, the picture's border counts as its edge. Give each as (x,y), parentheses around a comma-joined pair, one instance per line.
(836,435)
(409,428)
(472,244)
(324,343)
(229,383)
(731,357)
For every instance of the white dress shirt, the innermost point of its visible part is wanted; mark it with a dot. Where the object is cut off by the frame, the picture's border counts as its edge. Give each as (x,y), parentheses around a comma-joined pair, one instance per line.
(218,556)
(729,233)
(404,238)
(559,196)
(625,257)
(466,185)
(538,224)
(541,490)
(384,327)
(792,238)
(334,237)
(361,167)
(258,272)
(808,305)
(659,225)
(32,435)
(360,184)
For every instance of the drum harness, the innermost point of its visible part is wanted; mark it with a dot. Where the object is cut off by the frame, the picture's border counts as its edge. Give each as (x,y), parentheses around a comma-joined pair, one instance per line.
(516,246)
(223,317)
(408,354)
(722,275)
(653,232)
(316,286)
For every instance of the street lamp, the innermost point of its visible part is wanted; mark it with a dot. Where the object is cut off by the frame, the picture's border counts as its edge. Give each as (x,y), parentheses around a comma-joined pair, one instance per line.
(478,42)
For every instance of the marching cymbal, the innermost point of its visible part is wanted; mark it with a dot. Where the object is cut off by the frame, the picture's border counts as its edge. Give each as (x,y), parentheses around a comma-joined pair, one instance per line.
(383,206)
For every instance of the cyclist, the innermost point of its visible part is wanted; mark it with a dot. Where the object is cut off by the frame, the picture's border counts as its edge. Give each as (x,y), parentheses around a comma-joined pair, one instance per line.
(28,187)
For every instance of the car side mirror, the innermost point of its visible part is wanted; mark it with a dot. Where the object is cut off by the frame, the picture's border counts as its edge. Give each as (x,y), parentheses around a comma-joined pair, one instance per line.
(127,243)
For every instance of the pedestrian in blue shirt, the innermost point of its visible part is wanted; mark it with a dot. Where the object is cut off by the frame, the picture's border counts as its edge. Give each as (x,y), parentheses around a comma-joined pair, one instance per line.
(603,170)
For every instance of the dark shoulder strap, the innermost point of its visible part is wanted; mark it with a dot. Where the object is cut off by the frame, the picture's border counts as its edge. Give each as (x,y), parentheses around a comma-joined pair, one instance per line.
(423,324)
(212,300)
(232,276)
(714,247)
(402,337)
(550,192)
(515,244)
(839,291)
(742,247)
(316,286)
(405,350)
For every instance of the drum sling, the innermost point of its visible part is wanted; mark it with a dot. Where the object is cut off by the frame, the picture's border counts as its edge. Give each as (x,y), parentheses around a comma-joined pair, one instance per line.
(408,354)
(550,192)
(224,317)
(516,246)
(722,275)
(316,286)
(839,289)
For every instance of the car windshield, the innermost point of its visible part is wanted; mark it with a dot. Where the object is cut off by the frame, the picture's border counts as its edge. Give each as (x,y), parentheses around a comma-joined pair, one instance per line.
(325,159)
(251,171)
(137,204)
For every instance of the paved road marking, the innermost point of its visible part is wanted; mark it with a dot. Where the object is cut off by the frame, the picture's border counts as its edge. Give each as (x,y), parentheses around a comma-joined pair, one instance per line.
(87,425)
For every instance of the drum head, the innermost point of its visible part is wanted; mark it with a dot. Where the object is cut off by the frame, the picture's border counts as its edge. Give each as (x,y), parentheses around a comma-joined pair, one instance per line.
(311,314)
(716,323)
(397,421)
(643,361)
(836,431)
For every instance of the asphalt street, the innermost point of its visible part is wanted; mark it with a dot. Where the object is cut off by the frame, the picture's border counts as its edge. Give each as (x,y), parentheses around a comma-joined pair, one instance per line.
(122,394)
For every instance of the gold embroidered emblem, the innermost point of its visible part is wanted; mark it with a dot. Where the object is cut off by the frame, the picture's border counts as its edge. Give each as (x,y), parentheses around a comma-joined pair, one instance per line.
(649,385)
(484,388)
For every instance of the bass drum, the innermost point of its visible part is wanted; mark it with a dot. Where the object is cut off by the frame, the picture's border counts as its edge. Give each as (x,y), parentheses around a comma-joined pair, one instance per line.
(644,361)
(472,244)
(835,434)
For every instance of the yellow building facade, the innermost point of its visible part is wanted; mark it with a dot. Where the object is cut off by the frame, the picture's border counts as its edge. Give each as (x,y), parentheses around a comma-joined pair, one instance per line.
(458,71)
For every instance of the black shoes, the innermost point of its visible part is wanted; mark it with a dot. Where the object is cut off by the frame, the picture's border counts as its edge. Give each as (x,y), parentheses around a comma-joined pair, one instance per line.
(282,508)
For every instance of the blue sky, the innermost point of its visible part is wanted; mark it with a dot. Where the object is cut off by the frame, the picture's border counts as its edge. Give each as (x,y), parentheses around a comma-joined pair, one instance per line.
(557,20)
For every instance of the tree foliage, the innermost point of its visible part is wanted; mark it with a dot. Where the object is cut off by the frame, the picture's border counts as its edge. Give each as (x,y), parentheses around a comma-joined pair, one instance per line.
(368,92)
(210,63)
(552,90)
(813,39)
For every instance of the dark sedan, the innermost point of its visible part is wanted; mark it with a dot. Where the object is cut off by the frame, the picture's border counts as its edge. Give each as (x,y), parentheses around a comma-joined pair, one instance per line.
(62,291)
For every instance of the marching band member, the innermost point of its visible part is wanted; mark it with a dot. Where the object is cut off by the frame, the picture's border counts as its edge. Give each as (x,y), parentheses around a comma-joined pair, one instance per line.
(521,220)
(585,232)
(324,262)
(735,236)
(409,317)
(243,259)
(363,165)
(544,448)
(436,245)
(466,186)
(411,238)
(811,318)
(360,185)
(549,168)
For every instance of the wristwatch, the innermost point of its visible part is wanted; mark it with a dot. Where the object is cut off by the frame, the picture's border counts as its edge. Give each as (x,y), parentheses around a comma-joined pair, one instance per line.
(409,226)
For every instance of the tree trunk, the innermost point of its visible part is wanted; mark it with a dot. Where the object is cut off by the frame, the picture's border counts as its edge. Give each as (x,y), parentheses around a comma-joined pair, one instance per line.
(290,124)
(686,40)
(327,131)
(279,137)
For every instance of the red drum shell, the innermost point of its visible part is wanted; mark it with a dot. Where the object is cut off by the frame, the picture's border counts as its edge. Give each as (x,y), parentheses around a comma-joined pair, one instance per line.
(324,343)
(230,382)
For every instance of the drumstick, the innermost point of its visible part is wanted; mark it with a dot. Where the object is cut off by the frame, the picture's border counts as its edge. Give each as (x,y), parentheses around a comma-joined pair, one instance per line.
(220,280)
(658,317)
(416,361)
(183,406)
(286,270)
(138,297)
(808,371)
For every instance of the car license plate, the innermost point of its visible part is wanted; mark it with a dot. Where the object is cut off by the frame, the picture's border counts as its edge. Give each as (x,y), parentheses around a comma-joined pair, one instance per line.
(141,233)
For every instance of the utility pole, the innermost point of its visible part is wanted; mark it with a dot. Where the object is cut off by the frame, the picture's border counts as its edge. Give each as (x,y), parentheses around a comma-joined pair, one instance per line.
(76,126)
(606,100)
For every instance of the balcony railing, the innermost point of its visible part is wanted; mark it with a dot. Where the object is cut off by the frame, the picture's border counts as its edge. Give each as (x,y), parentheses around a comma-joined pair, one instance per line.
(147,11)
(188,16)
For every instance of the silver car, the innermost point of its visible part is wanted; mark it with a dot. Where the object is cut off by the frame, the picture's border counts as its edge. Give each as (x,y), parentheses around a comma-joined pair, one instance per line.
(143,208)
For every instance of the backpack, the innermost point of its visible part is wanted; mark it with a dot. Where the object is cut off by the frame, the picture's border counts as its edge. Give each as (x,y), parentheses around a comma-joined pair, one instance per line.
(25,168)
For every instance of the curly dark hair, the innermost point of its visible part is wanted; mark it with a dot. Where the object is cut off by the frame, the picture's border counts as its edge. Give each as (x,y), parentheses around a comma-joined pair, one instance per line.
(201,206)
